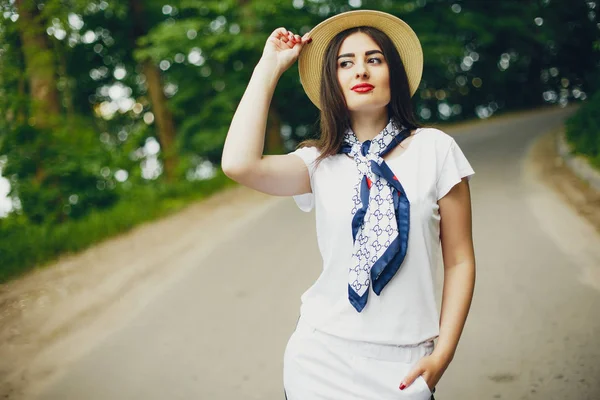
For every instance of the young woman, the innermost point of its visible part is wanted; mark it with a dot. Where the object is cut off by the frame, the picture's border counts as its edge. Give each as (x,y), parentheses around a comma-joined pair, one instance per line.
(392,200)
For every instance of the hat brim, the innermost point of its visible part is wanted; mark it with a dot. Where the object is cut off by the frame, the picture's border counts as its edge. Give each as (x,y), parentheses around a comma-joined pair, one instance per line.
(310,61)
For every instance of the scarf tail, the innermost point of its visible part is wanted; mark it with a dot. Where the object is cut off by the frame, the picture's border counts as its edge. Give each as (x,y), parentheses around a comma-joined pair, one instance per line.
(358,302)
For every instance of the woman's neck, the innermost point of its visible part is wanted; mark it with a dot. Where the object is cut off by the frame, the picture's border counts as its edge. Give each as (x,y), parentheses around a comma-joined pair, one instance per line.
(368,124)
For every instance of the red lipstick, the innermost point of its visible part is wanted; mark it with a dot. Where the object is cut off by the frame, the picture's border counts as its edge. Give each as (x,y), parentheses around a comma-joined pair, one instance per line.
(362,87)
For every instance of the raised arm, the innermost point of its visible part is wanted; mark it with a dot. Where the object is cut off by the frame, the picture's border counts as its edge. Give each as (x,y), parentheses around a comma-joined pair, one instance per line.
(242,158)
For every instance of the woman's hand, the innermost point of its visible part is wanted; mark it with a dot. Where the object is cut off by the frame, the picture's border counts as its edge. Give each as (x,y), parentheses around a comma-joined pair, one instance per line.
(283,48)
(430,367)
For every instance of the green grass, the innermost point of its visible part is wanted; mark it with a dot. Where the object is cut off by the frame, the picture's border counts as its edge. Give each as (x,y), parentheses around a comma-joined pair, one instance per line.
(24,247)
(583,130)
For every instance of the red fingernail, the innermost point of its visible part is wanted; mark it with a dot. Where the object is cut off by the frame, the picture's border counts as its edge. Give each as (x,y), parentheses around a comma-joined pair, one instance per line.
(402,386)
(309,40)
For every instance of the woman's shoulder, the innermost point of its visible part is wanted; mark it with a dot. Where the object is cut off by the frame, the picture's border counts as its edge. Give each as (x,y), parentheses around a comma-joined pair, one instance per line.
(433,133)
(436,139)
(313,152)
(307,149)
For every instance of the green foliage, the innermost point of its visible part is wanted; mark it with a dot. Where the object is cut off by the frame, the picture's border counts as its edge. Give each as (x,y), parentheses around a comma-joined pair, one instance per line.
(583,130)
(13,98)
(57,173)
(24,246)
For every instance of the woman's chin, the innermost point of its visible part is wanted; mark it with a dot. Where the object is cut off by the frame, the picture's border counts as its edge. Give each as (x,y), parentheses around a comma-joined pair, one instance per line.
(366,105)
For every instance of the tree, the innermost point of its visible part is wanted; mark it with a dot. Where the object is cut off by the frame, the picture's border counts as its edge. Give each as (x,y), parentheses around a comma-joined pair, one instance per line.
(164,117)
(50,159)
(40,69)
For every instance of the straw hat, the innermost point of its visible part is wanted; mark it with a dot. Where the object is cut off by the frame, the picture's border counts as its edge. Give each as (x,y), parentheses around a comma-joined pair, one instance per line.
(310,61)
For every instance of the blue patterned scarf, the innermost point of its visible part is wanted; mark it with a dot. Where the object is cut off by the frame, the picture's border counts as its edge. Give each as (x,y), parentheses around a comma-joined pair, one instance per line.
(381,214)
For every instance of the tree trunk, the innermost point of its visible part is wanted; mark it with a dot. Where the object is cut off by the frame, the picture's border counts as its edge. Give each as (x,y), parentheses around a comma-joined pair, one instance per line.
(163,116)
(40,71)
(21,112)
(67,92)
(40,68)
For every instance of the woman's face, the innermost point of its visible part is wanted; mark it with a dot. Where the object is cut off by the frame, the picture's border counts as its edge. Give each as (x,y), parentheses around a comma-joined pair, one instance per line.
(363,73)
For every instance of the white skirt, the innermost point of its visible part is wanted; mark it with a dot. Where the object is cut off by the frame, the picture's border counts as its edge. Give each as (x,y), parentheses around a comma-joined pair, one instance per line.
(319,366)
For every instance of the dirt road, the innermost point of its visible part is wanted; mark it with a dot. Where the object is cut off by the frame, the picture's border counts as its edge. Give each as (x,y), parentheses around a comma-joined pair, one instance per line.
(201,304)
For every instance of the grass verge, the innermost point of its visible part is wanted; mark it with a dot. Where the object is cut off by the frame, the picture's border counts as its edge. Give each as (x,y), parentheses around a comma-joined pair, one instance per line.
(24,247)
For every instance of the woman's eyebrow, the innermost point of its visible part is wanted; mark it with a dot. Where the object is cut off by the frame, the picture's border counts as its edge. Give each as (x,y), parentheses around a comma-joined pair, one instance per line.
(367,53)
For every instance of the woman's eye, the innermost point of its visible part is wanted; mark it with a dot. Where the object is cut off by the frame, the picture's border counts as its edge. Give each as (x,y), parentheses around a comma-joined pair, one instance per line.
(374,60)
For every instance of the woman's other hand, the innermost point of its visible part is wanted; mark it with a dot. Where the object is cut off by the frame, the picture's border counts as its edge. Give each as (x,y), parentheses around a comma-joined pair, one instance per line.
(431,367)
(283,48)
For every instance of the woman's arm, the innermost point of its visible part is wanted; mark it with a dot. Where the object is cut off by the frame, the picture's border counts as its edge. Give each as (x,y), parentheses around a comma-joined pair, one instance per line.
(242,158)
(459,267)
(459,282)
(244,143)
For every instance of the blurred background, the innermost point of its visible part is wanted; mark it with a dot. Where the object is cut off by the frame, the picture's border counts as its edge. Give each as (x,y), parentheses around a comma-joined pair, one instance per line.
(115,112)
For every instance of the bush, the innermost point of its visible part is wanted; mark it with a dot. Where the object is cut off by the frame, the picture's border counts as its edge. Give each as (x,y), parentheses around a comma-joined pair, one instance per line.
(583,130)
(58,171)
(24,245)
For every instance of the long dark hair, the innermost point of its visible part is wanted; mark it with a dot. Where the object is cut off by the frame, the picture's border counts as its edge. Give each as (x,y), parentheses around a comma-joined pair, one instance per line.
(335,117)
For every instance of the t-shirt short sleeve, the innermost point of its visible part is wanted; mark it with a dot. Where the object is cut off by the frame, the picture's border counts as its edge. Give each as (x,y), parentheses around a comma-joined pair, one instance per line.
(455,166)
(306,201)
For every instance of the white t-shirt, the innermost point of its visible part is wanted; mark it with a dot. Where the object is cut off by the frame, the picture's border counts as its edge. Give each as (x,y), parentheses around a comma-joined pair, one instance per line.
(406,311)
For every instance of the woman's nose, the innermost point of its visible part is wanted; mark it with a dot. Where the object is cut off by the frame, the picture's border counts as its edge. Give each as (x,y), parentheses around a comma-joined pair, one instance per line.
(361,72)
